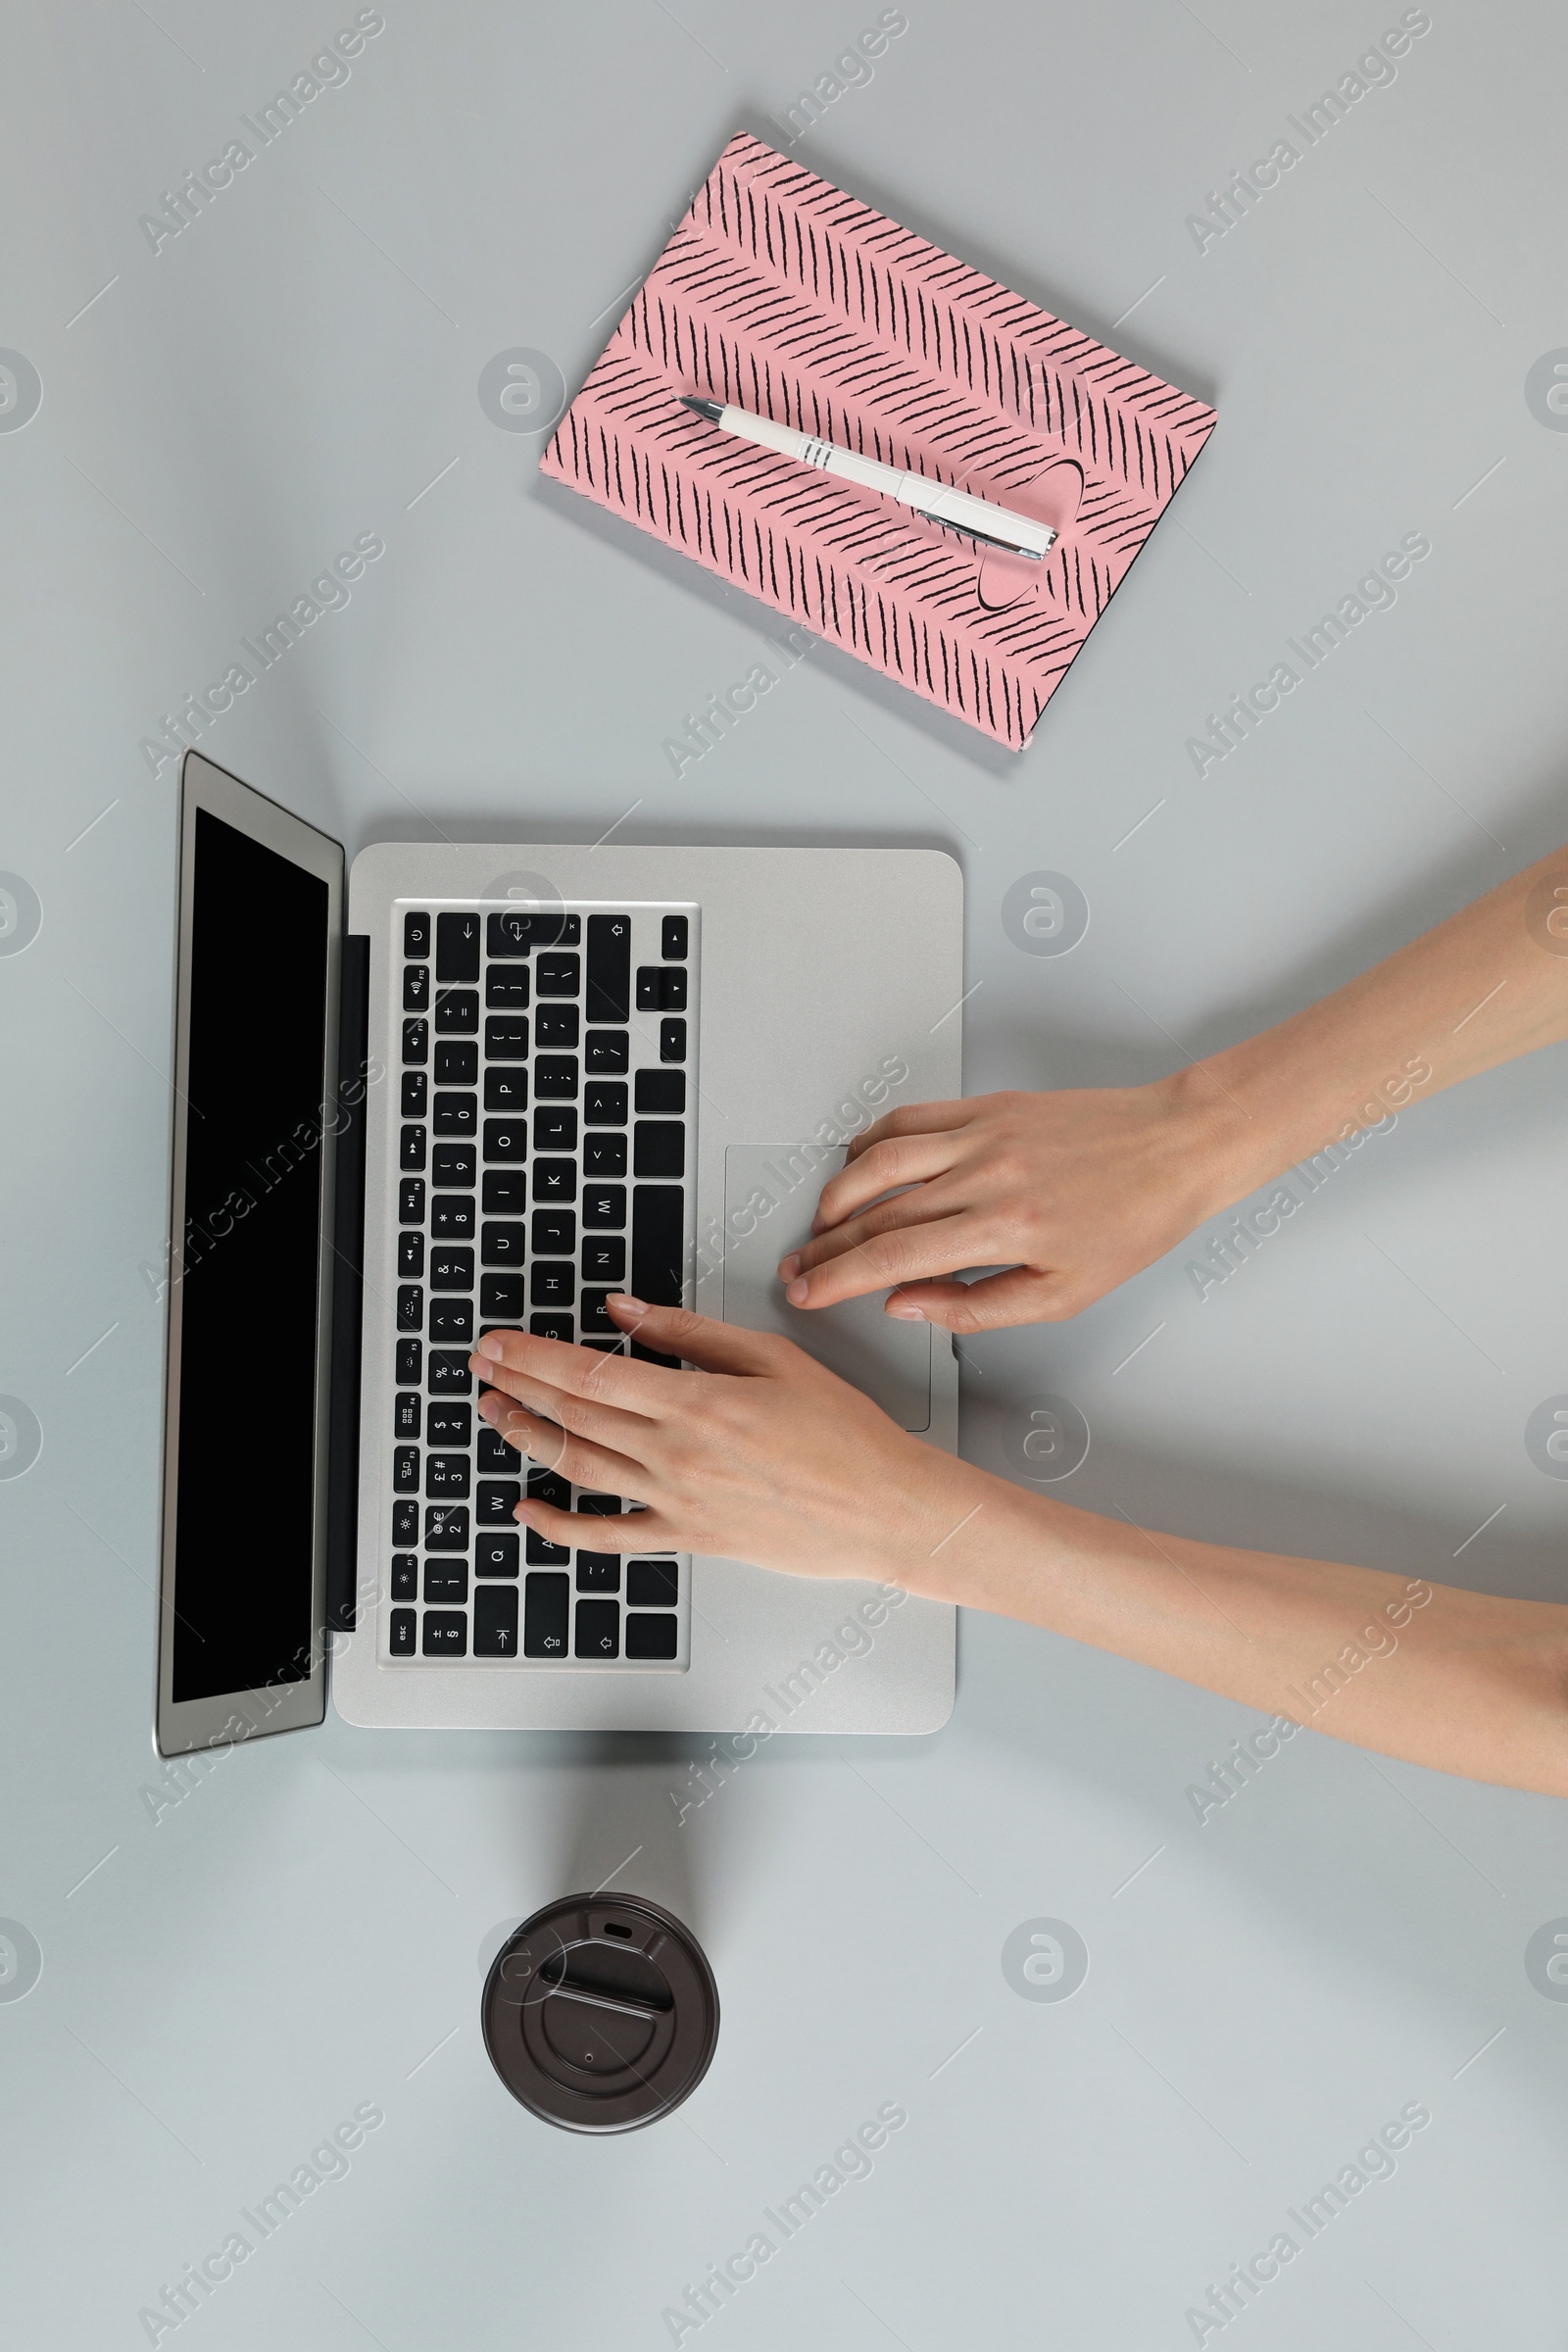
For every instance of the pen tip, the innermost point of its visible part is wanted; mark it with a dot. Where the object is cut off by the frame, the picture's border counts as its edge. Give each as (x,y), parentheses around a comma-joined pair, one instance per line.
(712,410)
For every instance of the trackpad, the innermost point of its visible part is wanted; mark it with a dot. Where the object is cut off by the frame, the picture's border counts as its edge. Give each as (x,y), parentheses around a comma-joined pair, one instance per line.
(771,1195)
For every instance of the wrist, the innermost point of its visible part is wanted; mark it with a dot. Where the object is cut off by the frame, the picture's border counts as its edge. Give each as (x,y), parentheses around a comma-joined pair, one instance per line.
(1223,1146)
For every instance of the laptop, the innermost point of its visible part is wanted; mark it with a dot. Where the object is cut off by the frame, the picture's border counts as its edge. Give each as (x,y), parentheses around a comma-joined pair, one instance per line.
(471,1086)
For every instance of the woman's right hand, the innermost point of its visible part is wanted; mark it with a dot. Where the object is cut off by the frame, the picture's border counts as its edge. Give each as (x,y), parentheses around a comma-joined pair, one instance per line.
(1072,1193)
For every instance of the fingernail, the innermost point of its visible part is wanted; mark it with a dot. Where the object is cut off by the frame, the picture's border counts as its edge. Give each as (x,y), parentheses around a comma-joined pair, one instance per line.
(626,1298)
(490,1346)
(521,1511)
(789,1267)
(798,1293)
(905,1311)
(490,1405)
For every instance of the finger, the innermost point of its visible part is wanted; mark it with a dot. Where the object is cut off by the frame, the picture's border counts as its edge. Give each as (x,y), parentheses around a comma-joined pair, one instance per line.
(1020,1296)
(893,1160)
(921,1204)
(618,1381)
(633,1531)
(912,1254)
(598,1424)
(552,1447)
(912,1118)
(714,1346)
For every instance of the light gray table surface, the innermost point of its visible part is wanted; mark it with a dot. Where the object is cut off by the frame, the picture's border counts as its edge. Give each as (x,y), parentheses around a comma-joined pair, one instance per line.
(225,1980)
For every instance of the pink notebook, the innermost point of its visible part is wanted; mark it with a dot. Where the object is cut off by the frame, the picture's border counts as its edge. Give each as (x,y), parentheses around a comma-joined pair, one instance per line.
(780,294)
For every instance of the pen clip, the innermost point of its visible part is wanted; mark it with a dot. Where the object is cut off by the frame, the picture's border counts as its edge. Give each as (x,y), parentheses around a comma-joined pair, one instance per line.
(1009,547)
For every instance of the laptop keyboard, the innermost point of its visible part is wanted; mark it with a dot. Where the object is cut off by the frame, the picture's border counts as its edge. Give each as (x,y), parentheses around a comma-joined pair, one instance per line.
(547,1065)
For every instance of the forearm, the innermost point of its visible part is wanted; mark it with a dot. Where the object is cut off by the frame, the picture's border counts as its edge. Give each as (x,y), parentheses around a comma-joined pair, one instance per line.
(1458,1681)
(1488,984)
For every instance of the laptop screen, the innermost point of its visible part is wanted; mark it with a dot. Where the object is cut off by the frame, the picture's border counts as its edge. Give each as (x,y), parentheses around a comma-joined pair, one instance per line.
(249,1267)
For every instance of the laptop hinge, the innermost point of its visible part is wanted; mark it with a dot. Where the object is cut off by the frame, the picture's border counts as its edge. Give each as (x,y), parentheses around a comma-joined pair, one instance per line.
(348,1283)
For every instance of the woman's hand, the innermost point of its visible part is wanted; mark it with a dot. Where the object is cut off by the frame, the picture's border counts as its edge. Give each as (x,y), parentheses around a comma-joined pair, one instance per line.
(762,1455)
(1072,1191)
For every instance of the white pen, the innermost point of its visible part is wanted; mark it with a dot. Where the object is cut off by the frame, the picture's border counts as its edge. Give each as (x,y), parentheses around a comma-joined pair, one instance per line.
(954,509)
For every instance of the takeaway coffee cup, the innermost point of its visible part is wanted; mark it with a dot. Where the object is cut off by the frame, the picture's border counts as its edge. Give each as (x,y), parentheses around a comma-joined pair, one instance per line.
(600,2015)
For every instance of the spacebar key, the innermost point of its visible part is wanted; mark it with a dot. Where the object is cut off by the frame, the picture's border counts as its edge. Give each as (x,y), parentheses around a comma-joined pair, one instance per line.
(657,1232)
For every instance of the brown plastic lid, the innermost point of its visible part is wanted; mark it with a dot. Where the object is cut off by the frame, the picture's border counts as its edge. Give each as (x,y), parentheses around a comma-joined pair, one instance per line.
(600,2015)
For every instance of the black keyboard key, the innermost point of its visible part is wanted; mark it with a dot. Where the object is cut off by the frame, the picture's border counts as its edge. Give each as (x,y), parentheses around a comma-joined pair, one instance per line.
(555,1130)
(658,990)
(406,1414)
(546,1604)
(457,1012)
(540,1552)
(609,992)
(506,1041)
(456,1114)
(555,1078)
(411,1255)
(452,1166)
(415,987)
(449,1374)
(651,1584)
(404,1523)
(507,991)
(671,1041)
(501,1297)
(605,1105)
(599,1572)
(456,1062)
(410,1201)
(415,1087)
(410,1308)
(651,1355)
(456,947)
(557,975)
(551,1327)
(406,1469)
(409,1354)
(598,1621)
(448,1424)
(416,935)
(550,1487)
(604,1205)
(405,1626)
(606,1052)
(659,1149)
(507,1089)
(496,1555)
(673,943)
(556,1028)
(553,1282)
(452,1217)
(445,1632)
(504,1244)
(657,1238)
(555,1232)
(452,1269)
(604,1260)
(649,1637)
(506,1192)
(661,1092)
(446,1580)
(496,1455)
(415,1041)
(554,1180)
(514,933)
(452,1322)
(446,1477)
(495,1622)
(405,1584)
(446,1526)
(505,1139)
(604,1155)
(494,1502)
(596,1321)
(598,1506)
